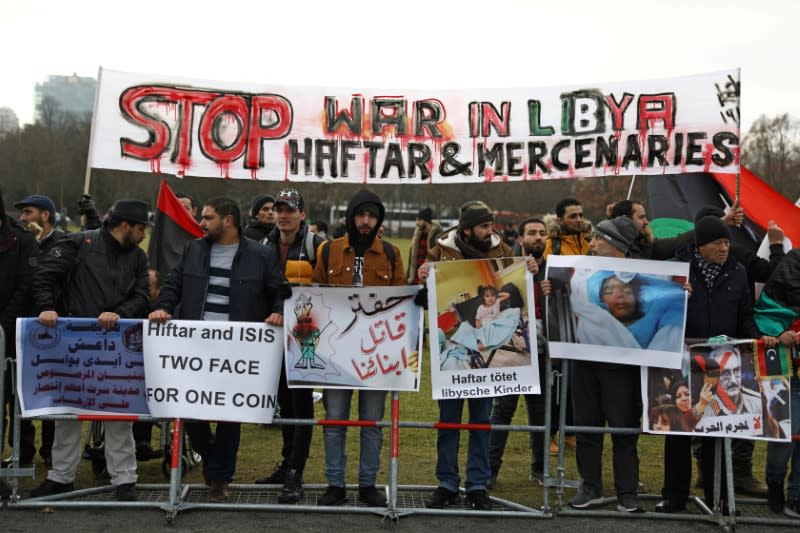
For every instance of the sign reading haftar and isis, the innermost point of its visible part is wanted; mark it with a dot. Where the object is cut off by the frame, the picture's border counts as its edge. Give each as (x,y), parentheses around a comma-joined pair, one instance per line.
(274,132)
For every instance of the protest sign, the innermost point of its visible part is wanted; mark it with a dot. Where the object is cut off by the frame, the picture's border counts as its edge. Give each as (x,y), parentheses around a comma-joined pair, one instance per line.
(722,395)
(627,311)
(353,338)
(78,367)
(483,329)
(145,122)
(208,370)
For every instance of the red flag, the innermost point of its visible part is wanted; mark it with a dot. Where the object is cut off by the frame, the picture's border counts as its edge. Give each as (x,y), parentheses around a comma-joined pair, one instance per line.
(174,226)
(762,203)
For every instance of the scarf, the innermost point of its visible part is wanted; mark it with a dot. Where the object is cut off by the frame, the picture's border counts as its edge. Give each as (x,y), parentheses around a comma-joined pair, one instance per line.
(709,271)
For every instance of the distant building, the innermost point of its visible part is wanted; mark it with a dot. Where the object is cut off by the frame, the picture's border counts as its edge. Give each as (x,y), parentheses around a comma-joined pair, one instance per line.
(9,123)
(73,94)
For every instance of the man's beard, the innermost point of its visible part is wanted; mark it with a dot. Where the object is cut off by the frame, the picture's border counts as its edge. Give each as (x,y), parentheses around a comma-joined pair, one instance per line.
(536,251)
(482,245)
(128,243)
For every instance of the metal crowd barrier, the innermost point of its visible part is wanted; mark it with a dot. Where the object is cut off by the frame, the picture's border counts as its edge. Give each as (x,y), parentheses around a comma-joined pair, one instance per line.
(402,500)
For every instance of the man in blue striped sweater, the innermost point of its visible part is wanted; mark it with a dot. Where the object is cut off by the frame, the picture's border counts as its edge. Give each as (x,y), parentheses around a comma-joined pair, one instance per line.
(222,277)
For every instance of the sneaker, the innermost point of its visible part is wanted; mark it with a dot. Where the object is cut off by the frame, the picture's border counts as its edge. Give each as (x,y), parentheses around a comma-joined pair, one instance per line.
(629,503)
(292,489)
(537,476)
(219,491)
(24,462)
(570,441)
(641,488)
(667,506)
(775,497)
(586,500)
(493,478)
(478,500)
(750,486)
(126,492)
(277,477)
(372,496)
(49,487)
(333,496)
(441,498)
(792,507)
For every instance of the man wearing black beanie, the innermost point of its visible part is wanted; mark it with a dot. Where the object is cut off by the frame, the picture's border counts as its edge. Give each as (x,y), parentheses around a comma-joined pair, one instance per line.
(720,304)
(262,218)
(473,238)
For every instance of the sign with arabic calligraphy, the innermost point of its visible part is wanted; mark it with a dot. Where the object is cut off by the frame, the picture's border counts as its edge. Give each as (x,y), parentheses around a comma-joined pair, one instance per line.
(80,368)
(482,330)
(353,338)
(210,370)
(722,395)
(223,129)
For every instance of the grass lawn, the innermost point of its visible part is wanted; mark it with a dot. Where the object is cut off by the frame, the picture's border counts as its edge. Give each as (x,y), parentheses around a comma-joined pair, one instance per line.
(261,445)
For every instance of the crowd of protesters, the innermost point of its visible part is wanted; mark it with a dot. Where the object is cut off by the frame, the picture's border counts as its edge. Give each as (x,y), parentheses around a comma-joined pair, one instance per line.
(101,272)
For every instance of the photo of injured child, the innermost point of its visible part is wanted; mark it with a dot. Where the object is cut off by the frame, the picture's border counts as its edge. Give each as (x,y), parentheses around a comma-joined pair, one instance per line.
(485,327)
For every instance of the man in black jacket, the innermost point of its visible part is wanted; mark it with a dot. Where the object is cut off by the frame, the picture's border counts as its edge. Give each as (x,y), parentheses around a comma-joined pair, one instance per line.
(720,304)
(296,247)
(262,218)
(223,277)
(19,257)
(100,273)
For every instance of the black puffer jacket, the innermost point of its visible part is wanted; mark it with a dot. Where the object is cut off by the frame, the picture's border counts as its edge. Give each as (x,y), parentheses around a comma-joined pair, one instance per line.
(92,274)
(727,309)
(19,257)
(257,287)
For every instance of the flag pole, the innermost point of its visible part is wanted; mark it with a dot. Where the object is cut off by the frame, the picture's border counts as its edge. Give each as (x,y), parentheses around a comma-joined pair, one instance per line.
(630,189)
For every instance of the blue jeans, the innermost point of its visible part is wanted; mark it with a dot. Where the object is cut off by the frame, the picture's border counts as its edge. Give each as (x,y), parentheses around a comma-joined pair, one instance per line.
(478,470)
(779,453)
(371,405)
(217,450)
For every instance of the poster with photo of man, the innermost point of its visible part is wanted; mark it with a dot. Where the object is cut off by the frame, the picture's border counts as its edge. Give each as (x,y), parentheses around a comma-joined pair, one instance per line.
(626,311)
(482,329)
(722,394)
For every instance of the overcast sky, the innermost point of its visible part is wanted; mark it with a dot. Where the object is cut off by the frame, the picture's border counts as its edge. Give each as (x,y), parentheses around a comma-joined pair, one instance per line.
(407,44)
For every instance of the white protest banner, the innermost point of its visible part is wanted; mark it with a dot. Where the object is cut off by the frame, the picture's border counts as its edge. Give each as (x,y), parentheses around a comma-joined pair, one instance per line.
(353,337)
(79,367)
(627,311)
(724,393)
(483,329)
(145,122)
(207,370)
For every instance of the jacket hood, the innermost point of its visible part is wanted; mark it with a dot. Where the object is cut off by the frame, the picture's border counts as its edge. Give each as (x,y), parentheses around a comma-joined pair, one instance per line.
(362,197)
(554,229)
(447,239)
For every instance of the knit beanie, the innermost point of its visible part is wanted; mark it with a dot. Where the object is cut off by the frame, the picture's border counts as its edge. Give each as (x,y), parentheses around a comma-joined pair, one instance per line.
(710,228)
(426,214)
(259,202)
(474,213)
(620,232)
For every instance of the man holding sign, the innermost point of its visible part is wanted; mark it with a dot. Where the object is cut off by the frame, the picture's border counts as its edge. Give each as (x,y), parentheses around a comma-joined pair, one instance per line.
(222,277)
(99,273)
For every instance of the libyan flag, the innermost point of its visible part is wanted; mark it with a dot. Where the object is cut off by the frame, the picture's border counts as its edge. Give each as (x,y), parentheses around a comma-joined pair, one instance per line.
(674,199)
(174,226)
(773,362)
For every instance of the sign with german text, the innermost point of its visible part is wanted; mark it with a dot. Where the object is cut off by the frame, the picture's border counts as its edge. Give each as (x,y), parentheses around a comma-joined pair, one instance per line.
(483,329)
